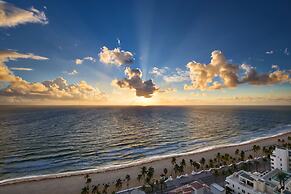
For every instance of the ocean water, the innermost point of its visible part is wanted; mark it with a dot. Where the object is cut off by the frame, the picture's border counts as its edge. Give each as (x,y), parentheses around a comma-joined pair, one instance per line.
(44,140)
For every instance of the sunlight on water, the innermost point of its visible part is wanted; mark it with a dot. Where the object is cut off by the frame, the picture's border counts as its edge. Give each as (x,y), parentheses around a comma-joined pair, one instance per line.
(44,140)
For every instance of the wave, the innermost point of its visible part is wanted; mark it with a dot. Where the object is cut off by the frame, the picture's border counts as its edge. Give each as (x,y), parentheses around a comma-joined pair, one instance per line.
(284,130)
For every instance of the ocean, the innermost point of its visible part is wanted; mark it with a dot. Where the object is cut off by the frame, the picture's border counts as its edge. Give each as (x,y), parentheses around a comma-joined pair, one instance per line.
(41,140)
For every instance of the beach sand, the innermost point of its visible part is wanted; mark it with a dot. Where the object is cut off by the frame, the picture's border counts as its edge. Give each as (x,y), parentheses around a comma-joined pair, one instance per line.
(73,182)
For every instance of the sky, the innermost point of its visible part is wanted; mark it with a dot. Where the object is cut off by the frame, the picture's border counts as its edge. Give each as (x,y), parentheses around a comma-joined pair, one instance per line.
(144,52)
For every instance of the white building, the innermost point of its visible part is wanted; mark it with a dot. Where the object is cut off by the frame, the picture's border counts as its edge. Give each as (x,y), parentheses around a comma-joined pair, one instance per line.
(253,183)
(243,182)
(281,159)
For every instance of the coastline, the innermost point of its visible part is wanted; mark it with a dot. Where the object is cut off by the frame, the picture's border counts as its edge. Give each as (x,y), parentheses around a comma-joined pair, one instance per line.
(72,182)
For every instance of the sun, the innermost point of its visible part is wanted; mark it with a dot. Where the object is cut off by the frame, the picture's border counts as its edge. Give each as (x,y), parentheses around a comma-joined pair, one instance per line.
(142,101)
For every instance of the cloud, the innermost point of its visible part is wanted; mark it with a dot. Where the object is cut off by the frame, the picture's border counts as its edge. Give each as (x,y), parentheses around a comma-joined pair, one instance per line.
(270,52)
(74,72)
(80,61)
(11,16)
(115,57)
(21,69)
(52,89)
(286,52)
(159,71)
(134,81)
(253,77)
(178,76)
(220,74)
(13,55)
(202,75)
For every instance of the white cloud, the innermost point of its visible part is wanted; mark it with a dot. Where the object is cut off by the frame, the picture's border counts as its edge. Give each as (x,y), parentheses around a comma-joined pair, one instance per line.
(115,57)
(74,72)
(202,75)
(156,71)
(80,61)
(11,16)
(220,74)
(270,52)
(20,69)
(52,89)
(254,78)
(178,76)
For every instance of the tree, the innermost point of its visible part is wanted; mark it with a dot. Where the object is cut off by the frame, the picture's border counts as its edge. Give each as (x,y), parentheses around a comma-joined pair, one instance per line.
(218,156)
(143,171)
(237,152)
(242,155)
(183,162)
(165,171)
(202,161)
(173,160)
(256,149)
(95,189)
(196,165)
(191,162)
(118,184)
(127,178)
(176,169)
(85,190)
(139,177)
(162,183)
(282,178)
(105,188)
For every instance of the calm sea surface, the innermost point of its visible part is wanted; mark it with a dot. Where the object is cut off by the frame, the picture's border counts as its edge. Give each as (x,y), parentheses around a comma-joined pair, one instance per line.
(42,140)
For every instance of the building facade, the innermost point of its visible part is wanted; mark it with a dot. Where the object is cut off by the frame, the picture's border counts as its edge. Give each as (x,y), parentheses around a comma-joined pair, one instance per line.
(281,159)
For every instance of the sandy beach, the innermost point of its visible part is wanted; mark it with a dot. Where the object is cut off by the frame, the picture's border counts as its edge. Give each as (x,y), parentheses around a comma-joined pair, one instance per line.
(72,182)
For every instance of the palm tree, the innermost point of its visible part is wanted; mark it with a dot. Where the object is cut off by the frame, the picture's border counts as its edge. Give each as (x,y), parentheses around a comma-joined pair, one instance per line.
(165,171)
(218,156)
(242,155)
(173,160)
(202,161)
(127,178)
(105,188)
(143,171)
(183,162)
(151,172)
(85,190)
(181,169)
(95,189)
(282,178)
(162,183)
(196,165)
(256,148)
(139,177)
(237,152)
(176,169)
(191,162)
(118,184)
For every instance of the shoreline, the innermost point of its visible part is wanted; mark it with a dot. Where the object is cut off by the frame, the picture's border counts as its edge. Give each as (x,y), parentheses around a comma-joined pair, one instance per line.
(133,168)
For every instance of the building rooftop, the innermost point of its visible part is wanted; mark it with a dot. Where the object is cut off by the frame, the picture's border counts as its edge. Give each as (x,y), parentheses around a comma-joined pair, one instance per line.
(217,187)
(196,185)
(247,176)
